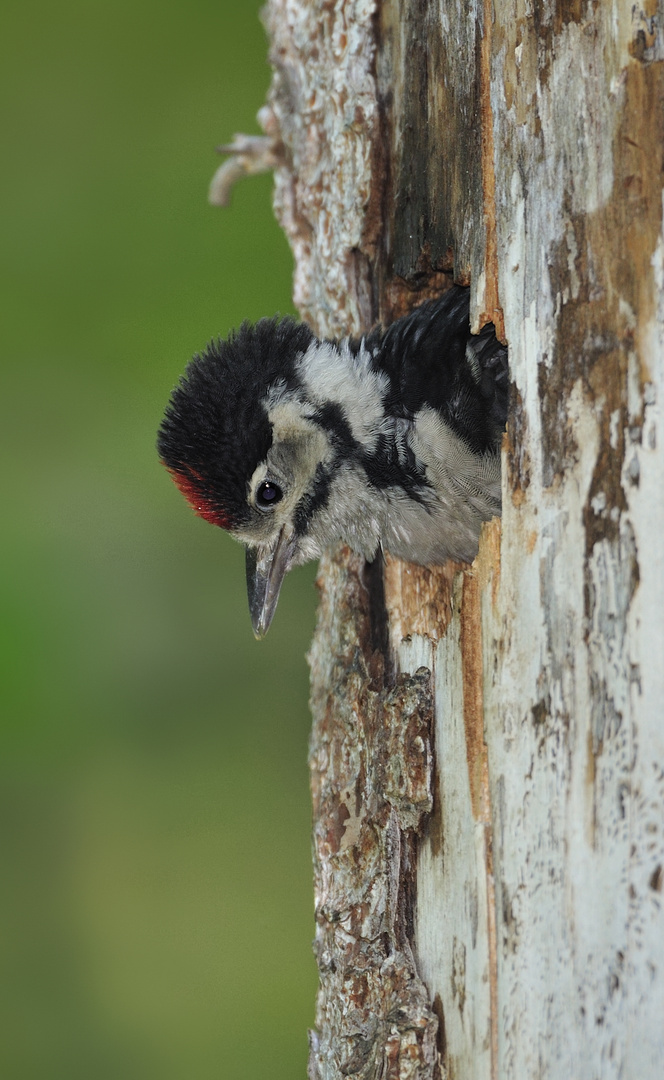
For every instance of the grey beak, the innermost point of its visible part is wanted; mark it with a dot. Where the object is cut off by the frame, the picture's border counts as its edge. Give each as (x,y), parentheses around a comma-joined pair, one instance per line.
(267,567)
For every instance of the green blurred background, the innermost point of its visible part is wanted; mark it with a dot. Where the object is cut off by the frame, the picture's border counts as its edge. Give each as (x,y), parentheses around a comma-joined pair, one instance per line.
(155,884)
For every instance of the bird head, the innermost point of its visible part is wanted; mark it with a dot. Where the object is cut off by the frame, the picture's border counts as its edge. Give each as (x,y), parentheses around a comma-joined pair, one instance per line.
(242,443)
(389,441)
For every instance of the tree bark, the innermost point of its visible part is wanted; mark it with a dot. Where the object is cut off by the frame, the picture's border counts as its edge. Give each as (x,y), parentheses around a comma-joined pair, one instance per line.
(487,753)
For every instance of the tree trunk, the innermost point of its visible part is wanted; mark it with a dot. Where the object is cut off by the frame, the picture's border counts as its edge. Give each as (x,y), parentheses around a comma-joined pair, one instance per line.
(487,754)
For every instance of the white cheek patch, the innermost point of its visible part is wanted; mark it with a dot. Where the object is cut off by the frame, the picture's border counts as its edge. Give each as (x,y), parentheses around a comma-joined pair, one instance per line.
(289,417)
(299,446)
(331,373)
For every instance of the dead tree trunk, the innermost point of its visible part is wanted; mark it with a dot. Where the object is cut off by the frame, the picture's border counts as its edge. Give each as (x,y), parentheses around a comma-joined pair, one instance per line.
(488,746)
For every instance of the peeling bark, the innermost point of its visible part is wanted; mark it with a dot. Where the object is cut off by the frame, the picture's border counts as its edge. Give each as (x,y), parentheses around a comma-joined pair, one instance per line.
(488,745)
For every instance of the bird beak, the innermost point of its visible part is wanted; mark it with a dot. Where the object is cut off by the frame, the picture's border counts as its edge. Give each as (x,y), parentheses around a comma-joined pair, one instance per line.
(267,566)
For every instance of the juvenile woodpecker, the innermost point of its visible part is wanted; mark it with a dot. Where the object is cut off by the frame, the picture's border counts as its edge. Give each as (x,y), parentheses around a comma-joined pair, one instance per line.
(390,441)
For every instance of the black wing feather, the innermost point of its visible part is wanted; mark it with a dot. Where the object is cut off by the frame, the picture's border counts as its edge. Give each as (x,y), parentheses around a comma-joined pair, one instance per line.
(424,355)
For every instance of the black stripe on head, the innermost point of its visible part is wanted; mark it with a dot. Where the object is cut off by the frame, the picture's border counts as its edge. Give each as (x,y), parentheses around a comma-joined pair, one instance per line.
(216,427)
(313,500)
(332,419)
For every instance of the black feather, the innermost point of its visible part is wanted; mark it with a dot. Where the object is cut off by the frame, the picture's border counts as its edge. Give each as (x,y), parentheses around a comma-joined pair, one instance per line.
(216,430)
(390,466)
(424,356)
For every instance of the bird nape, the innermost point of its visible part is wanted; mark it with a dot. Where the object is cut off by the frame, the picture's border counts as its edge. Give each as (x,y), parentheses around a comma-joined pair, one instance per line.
(389,441)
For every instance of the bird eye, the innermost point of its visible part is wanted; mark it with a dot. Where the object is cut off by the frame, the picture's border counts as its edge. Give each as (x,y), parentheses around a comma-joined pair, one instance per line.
(267,495)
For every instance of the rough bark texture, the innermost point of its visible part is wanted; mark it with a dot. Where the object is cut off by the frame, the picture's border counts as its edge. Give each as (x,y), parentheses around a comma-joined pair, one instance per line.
(498,914)
(371,768)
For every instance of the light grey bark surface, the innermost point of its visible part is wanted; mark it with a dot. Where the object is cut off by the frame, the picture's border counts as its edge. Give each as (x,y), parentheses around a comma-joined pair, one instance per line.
(574,640)
(489,839)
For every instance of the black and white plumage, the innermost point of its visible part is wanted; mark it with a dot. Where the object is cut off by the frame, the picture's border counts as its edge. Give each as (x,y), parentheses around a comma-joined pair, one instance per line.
(390,441)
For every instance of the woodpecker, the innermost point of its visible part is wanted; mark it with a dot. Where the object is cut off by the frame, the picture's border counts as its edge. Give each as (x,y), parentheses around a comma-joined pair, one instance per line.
(390,441)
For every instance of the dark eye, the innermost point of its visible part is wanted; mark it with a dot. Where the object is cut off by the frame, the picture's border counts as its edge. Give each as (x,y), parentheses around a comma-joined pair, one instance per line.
(268,494)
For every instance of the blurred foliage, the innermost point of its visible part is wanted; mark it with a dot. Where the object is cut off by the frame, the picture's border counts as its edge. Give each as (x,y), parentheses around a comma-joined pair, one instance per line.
(155,895)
